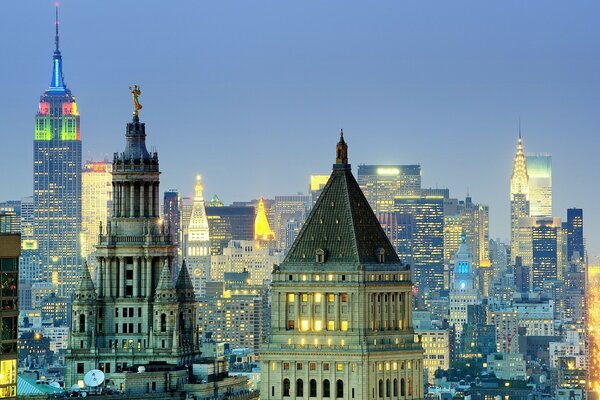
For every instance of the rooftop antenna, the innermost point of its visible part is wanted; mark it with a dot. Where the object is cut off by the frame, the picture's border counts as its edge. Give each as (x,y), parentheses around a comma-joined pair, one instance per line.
(56,24)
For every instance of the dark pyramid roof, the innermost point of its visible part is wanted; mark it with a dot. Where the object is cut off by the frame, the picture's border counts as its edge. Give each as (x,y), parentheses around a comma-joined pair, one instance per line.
(342,224)
(184,285)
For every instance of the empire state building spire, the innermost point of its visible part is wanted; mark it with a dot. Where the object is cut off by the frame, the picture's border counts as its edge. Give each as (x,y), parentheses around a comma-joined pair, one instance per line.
(57,84)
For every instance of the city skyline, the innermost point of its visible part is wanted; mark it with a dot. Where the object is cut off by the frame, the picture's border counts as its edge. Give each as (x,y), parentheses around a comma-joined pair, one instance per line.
(383,109)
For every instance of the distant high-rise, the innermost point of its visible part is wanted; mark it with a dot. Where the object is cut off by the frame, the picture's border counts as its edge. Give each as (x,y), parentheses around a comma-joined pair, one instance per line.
(545,251)
(382,183)
(427,240)
(286,209)
(317,183)
(539,168)
(574,228)
(519,196)
(96,202)
(172,220)
(197,254)
(57,181)
(229,223)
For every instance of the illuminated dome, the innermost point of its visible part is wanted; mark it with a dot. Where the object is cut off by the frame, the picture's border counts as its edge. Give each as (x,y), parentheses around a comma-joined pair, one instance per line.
(262,230)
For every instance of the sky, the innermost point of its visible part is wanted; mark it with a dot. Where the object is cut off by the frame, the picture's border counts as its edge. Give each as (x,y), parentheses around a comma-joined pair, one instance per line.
(252,94)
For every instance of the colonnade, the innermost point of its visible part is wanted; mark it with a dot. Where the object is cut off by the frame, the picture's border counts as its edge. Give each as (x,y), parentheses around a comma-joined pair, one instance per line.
(135,199)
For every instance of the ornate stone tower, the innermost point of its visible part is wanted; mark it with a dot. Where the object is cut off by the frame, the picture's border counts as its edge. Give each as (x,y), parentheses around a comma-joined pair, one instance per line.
(519,197)
(135,314)
(341,306)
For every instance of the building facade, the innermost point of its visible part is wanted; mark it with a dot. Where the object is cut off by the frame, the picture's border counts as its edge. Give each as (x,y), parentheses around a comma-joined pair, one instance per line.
(519,196)
(381,184)
(539,168)
(341,306)
(135,315)
(10,249)
(57,181)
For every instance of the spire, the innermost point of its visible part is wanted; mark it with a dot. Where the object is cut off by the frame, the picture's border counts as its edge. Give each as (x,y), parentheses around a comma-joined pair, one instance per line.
(519,181)
(86,284)
(341,154)
(262,230)
(184,285)
(198,196)
(57,83)
(165,282)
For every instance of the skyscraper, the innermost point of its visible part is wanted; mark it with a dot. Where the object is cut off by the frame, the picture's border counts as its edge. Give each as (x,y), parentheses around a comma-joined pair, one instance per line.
(57,180)
(539,168)
(574,231)
(382,183)
(197,254)
(229,223)
(341,306)
(96,202)
(427,240)
(545,251)
(10,247)
(519,196)
(134,315)
(172,220)
(286,209)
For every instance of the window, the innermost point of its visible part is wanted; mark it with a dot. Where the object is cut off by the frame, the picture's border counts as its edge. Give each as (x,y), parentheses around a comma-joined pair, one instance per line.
(140,312)
(80,368)
(125,312)
(116,312)
(313,388)
(380,388)
(131,314)
(82,323)
(107,367)
(344,325)
(299,366)
(318,297)
(291,297)
(339,367)
(286,366)
(304,297)
(344,297)
(402,387)
(290,278)
(395,387)
(330,325)
(330,297)
(343,277)
(326,388)
(286,386)
(304,325)
(325,366)
(312,366)
(339,388)
(299,388)
(291,325)
(318,325)
(163,322)
(272,391)
(387,388)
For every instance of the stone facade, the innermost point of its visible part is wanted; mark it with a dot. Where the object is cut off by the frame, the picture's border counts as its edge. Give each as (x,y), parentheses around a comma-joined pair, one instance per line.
(134,315)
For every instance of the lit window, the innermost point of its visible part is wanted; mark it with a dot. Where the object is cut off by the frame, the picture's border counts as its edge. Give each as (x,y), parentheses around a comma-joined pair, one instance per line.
(330,325)
(318,325)
(291,297)
(273,366)
(304,325)
(344,325)
(340,367)
(395,365)
(304,297)
(330,277)
(318,297)
(330,297)
(286,366)
(303,277)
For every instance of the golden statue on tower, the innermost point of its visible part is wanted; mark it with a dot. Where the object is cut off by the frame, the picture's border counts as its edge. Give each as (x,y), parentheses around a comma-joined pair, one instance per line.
(135,93)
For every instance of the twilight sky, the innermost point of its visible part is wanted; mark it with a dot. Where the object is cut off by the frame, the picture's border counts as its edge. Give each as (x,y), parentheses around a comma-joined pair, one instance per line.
(252,94)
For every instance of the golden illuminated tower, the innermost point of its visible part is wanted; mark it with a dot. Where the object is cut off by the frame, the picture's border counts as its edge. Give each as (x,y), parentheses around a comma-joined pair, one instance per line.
(262,230)
(197,254)
(519,196)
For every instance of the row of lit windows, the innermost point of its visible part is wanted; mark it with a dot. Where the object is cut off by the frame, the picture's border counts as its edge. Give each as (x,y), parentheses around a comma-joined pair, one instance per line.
(317,297)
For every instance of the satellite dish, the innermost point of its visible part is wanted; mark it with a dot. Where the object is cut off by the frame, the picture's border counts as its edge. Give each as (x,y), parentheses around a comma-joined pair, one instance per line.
(94,378)
(75,388)
(55,385)
(83,394)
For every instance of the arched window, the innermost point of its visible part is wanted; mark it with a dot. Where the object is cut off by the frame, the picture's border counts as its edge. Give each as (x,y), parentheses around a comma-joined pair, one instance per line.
(388,390)
(380,388)
(395,387)
(82,323)
(299,388)
(326,388)
(339,388)
(402,387)
(181,321)
(313,388)
(286,387)
(410,386)
(163,322)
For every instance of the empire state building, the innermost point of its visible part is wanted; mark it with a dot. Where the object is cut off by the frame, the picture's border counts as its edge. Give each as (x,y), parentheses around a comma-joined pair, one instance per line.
(57,181)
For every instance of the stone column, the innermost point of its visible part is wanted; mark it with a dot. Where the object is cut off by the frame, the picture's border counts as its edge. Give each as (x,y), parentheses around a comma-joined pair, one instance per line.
(143,276)
(107,277)
(115,200)
(136,278)
(297,311)
(100,281)
(121,276)
(336,310)
(123,194)
(148,276)
(150,200)
(131,199)
(142,211)
(310,312)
